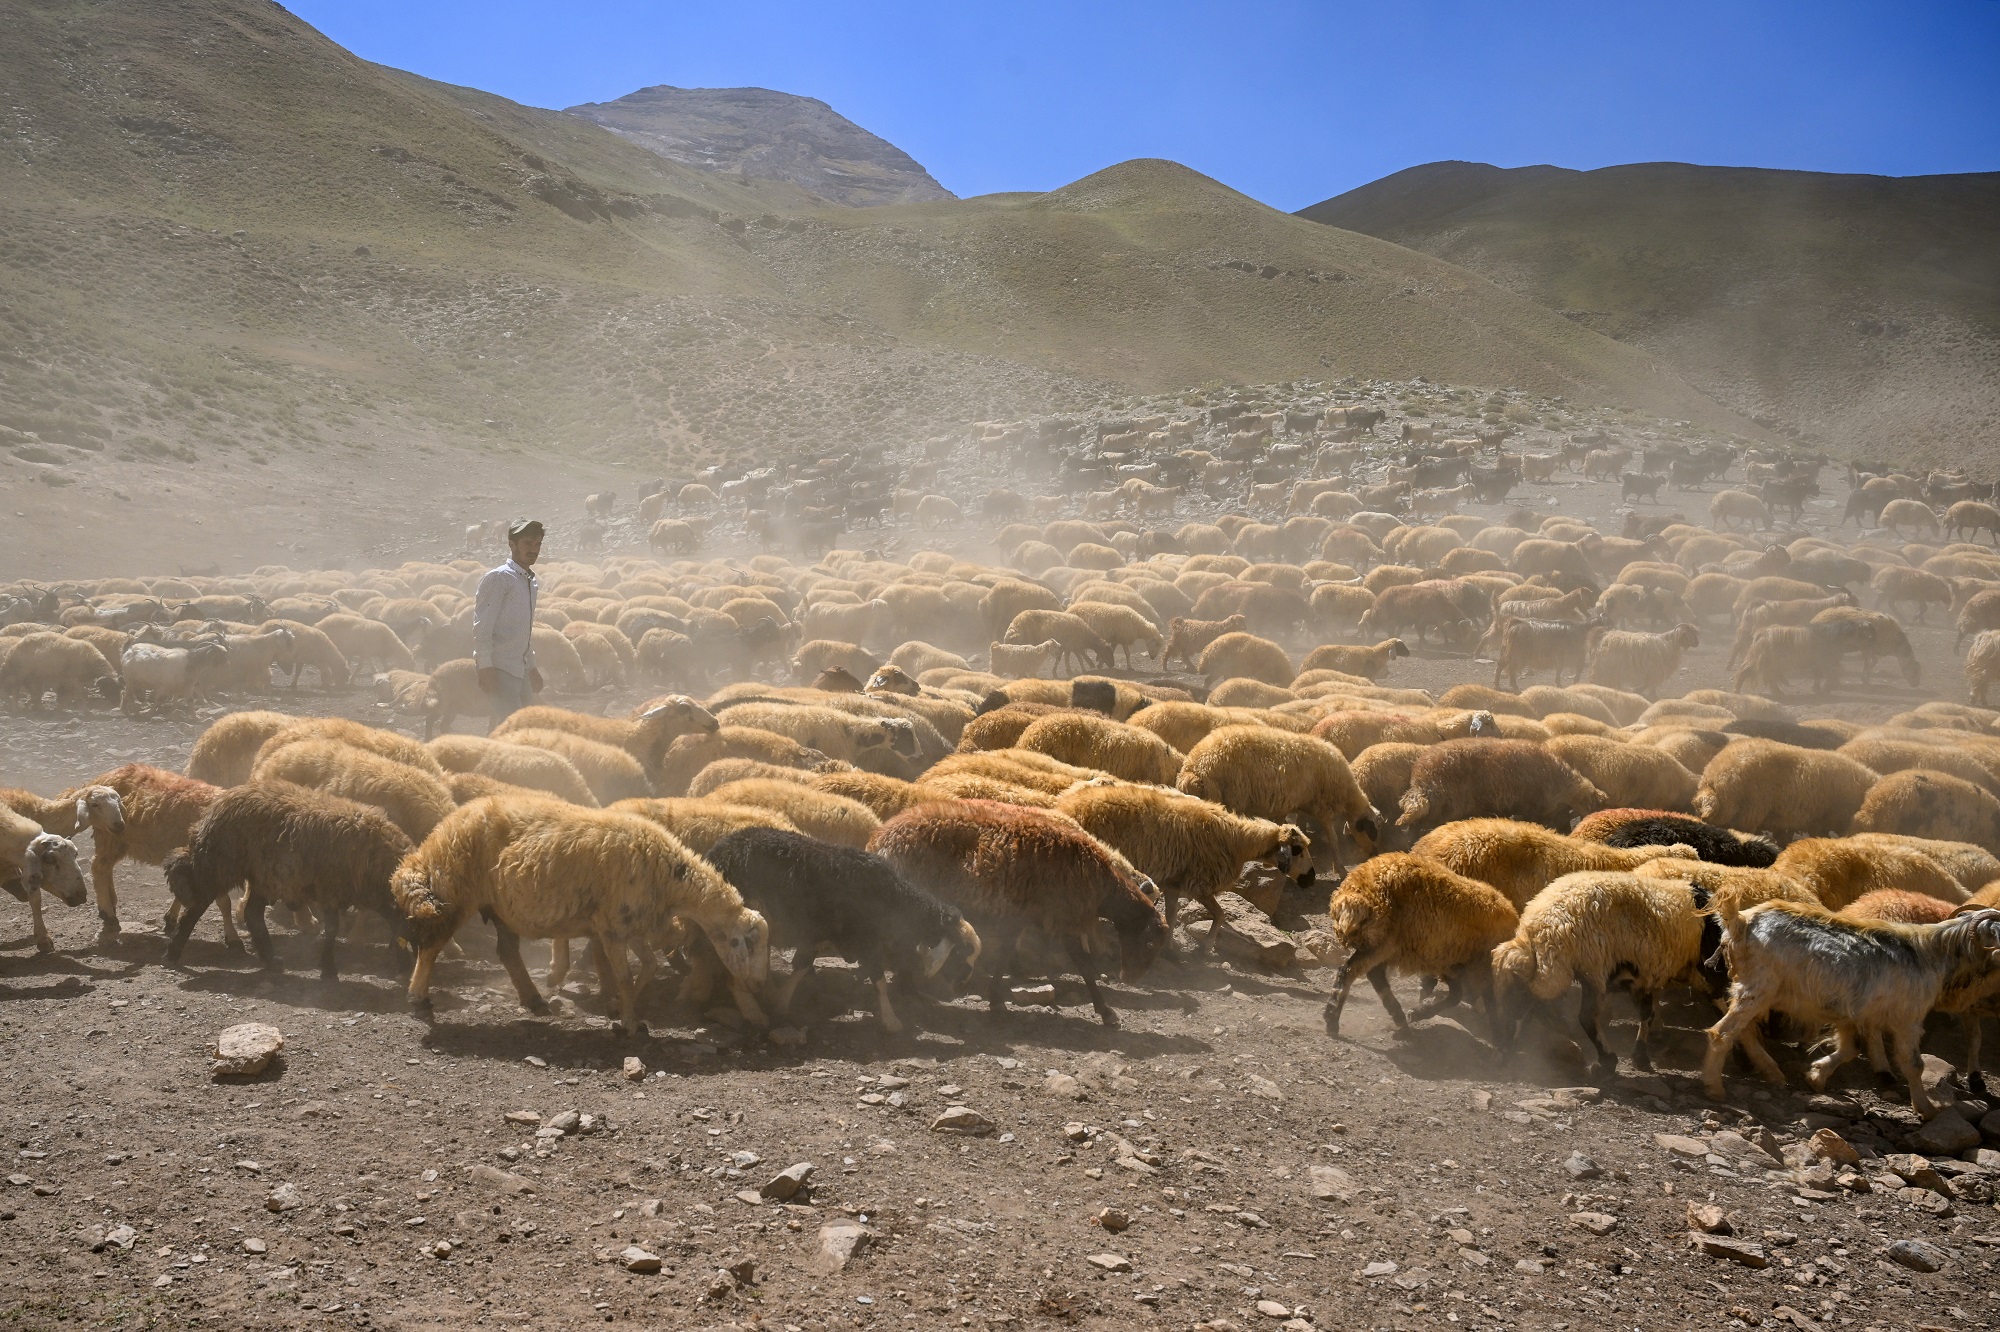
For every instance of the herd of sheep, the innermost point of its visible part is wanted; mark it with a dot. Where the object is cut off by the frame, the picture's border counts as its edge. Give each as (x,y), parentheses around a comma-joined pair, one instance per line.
(882,759)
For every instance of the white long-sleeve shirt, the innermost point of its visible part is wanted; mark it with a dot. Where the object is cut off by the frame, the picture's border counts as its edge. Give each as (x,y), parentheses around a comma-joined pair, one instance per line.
(503,620)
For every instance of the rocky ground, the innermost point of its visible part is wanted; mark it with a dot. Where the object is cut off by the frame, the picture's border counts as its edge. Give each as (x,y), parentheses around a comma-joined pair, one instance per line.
(1215,1161)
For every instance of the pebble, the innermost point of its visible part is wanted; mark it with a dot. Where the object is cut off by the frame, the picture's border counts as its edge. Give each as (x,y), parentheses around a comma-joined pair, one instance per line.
(1111,1219)
(1830,1146)
(254,1245)
(1917,1255)
(284,1198)
(523,1117)
(636,1259)
(1747,1252)
(961,1119)
(634,1069)
(839,1241)
(1272,1309)
(567,1121)
(1708,1219)
(785,1185)
(246,1049)
(1384,1267)
(1947,1134)
(1597,1223)
(1111,1262)
(1580,1166)
(1332,1184)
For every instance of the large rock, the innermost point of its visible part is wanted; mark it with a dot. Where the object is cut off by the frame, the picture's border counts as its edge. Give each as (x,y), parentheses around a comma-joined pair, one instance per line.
(1247,934)
(1332,1184)
(785,1185)
(246,1049)
(962,1119)
(1917,1255)
(1746,1252)
(1830,1146)
(1947,1134)
(839,1241)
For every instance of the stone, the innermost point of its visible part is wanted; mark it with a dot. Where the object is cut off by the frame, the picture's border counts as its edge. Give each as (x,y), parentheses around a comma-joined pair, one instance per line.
(1247,934)
(1382,1267)
(1681,1145)
(284,1198)
(254,1245)
(503,1180)
(1264,1087)
(566,1122)
(1272,1309)
(1989,1125)
(1332,1184)
(785,1185)
(523,1117)
(1317,948)
(1747,1252)
(1830,1146)
(786,1036)
(1111,1262)
(1064,1087)
(636,1259)
(1708,1219)
(962,1119)
(634,1069)
(1532,1266)
(246,1049)
(1947,1134)
(120,1238)
(839,1241)
(1917,1255)
(1580,1166)
(1597,1223)
(1916,1172)
(1112,1219)
(1739,1150)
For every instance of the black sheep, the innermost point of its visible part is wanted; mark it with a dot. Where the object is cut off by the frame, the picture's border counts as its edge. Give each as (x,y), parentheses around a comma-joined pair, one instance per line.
(1803,734)
(818,896)
(1658,827)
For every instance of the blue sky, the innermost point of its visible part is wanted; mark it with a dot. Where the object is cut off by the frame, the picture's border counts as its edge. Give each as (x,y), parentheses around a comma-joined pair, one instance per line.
(1288,102)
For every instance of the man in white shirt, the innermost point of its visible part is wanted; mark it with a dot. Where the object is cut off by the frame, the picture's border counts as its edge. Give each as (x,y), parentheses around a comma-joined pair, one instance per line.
(503,625)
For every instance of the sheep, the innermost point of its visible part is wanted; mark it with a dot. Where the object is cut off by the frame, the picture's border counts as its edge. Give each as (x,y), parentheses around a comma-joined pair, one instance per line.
(1982,665)
(819,898)
(885,796)
(1017,660)
(1504,778)
(609,772)
(1778,653)
(224,753)
(1730,507)
(1263,773)
(1898,585)
(368,644)
(1120,627)
(1008,868)
(1768,787)
(1659,827)
(880,744)
(1837,870)
(645,737)
(1079,642)
(1599,927)
(1868,981)
(34,860)
(1520,646)
(1182,725)
(288,844)
(414,800)
(1873,635)
(1091,741)
(545,869)
(155,676)
(1637,776)
(824,653)
(1899,906)
(917,656)
(1520,859)
(1971,517)
(514,764)
(1188,847)
(1973,866)
(1900,513)
(691,753)
(1016,767)
(1886,756)
(1415,916)
(1241,655)
(1641,662)
(1917,803)
(831,818)
(894,680)
(1187,638)
(1454,607)
(159,810)
(42,662)
(355,735)
(1369,663)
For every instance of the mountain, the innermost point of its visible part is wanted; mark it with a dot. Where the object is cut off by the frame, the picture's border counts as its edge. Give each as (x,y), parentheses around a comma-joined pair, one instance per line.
(768,136)
(1861,311)
(252,283)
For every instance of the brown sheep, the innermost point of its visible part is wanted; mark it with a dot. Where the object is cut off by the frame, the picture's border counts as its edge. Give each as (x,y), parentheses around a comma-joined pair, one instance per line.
(1632,776)
(1502,778)
(224,753)
(1262,773)
(645,737)
(1008,869)
(1917,803)
(1188,638)
(1370,663)
(160,809)
(414,800)
(1246,656)
(1088,740)
(1765,786)
(1837,870)
(816,813)
(288,844)
(1414,916)
(514,764)
(1520,859)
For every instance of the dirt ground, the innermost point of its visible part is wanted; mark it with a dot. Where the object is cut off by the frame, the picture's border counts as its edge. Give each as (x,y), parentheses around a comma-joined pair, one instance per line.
(380,1176)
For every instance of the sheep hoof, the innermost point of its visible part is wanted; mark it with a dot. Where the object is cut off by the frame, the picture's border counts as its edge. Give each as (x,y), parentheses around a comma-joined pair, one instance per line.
(233,945)
(539,1007)
(45,945)
(1108,1018)
(1332,1021)
(1641,1061)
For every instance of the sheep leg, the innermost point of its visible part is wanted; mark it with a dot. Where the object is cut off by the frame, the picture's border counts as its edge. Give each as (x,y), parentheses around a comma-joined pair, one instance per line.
(1079,954)
(43,943)
(890,1022)
(1003,965)
(230,938)
(1975,1030)
(617,974)
(253,921)
(183,928)
(1845,1046)
(1378,976)
(1642,1051)
(1738,1024)
(558,963)
(700,980)
(508,945)
(101,885)
(420,979)
(1431,1007)
(1590,1014)
(1903,1047)
(802,964)
(329,933)
(1215,919)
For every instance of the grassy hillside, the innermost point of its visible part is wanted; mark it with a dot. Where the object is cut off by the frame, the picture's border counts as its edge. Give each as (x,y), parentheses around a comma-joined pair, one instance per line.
(1859,310)
(226,244)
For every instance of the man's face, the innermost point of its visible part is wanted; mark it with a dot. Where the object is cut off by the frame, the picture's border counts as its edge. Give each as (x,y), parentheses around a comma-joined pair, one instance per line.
(527,549)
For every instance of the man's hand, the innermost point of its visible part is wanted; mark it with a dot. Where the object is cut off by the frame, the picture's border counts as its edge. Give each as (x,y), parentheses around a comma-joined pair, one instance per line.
(534,680)
(489,679)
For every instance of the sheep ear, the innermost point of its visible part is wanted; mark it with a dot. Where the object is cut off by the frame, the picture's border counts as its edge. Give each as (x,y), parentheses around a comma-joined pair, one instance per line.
(82,810)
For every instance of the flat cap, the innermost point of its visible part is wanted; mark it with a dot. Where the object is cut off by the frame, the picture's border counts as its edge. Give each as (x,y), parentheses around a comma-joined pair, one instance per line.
(521,527)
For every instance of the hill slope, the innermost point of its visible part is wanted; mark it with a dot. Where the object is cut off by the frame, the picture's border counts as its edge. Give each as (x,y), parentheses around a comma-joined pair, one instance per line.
(1862,310)
(228,247)
(767,135)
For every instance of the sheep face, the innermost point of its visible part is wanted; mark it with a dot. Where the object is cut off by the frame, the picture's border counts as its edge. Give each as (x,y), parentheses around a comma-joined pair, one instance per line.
(1367,838)
(892,680)
(100,807)
(1293,852)
(744,945)
(689,717)
(964,943)
(59,875)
